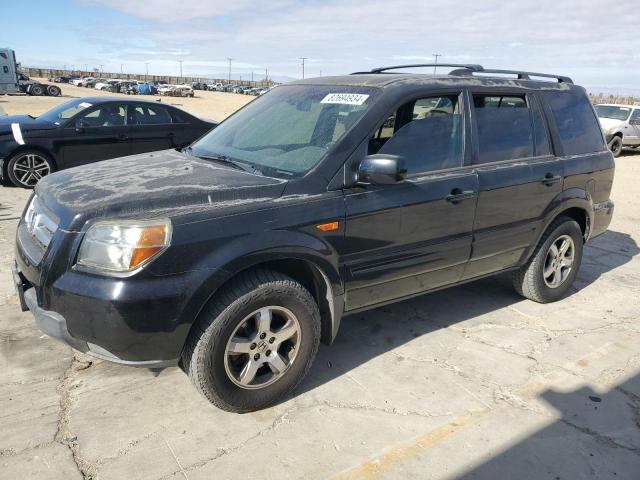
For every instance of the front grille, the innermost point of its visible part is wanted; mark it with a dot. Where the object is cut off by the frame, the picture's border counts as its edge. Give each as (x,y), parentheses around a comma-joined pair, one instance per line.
(39,223)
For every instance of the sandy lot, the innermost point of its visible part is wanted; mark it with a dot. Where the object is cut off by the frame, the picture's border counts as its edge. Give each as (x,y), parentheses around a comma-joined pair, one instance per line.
(212,105)
(472,382)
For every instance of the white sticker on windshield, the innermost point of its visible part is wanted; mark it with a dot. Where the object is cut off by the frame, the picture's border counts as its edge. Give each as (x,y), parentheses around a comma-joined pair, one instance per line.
(345,98)
(17,133)
(84,104)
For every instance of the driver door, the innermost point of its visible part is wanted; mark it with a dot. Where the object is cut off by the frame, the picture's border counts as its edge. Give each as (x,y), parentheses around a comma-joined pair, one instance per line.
(407,238)
(633,138)
(96,134)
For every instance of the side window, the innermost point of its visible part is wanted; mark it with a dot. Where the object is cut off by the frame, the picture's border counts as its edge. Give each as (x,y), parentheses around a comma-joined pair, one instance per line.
(504,127)
(110,115)
(541,132)
(426,134)
(576,121)
(145,115)
(635,117)
(178,117)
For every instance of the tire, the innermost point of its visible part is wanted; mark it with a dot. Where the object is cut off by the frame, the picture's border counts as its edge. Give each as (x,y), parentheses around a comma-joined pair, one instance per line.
(234,313)
(533,280)
(36,89)
(27,167)
(53,91)
(615,145)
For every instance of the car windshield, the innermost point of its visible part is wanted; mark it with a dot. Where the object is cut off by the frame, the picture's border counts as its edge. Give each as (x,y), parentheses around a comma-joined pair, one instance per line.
(288,131)
(611,111)
(65,111)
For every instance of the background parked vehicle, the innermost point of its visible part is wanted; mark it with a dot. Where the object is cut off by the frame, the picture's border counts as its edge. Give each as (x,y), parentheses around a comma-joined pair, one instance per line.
(12,80)
(86,130)
(621,126)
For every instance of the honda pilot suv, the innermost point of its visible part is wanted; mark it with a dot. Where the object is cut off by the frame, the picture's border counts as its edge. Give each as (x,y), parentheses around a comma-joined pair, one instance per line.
(233,258)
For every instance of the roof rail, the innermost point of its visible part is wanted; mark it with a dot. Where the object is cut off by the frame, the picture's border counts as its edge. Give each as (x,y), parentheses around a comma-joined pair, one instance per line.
(468,67)
(521,75)
(462,69)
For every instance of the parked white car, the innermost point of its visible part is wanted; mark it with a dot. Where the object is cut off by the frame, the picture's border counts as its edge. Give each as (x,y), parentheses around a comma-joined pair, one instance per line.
(79,82)
(621,125)
(106,85)
(176,91)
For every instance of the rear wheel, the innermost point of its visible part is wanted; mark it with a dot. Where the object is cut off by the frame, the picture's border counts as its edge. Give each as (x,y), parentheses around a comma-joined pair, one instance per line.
(53,91)
(28,167)
(553,267)
(615,145)
(254,343)
(36,89)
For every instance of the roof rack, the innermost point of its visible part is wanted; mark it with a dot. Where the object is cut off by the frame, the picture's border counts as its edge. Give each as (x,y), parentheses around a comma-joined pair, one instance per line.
(416,65)
(470,69)
(521,75)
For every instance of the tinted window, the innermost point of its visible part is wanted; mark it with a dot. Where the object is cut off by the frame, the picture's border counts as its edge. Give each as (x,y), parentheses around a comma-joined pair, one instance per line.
(428,135)
(578,126)
(504,128)
(110,115)
(145,115)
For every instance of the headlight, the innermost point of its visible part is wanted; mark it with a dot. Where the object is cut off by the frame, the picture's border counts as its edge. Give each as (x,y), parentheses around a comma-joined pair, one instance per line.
(123,246)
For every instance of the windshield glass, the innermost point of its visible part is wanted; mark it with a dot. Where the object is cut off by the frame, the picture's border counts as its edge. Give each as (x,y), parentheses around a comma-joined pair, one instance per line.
(288,131)
(63,112)
(610,111)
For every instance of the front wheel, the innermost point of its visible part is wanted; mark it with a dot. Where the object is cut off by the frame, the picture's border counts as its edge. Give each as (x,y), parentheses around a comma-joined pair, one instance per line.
(254,343)
(550,272)
(615,145)
(28,167)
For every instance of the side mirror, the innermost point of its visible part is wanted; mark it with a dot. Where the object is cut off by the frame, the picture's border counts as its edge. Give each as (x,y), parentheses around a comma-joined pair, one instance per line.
(381,170)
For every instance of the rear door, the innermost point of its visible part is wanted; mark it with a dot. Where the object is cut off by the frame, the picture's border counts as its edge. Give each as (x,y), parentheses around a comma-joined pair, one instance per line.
(518,178)
(151,128)
(97,133)
(414,236)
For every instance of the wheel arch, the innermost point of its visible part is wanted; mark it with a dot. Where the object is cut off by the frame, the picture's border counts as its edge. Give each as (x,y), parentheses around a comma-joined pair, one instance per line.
(317,276)
(574,203)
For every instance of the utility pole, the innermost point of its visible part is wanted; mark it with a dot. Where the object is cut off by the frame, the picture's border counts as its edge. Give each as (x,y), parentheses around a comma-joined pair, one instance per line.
(180,61)
(230,60)
(435,55)
(303,59)
(320,72)
(101,69)
(121,69)
(266,75)
(146,72)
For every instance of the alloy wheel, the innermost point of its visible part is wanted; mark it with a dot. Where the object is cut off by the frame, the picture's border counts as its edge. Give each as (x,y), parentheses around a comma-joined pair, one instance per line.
(262,347)
(559,261)
(30,168)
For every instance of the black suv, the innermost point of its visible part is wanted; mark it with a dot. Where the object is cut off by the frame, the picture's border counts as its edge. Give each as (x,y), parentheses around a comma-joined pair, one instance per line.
(233,258)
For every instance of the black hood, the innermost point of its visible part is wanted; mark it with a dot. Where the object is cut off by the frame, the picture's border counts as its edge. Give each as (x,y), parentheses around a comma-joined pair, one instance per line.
(26,123)
(166,183)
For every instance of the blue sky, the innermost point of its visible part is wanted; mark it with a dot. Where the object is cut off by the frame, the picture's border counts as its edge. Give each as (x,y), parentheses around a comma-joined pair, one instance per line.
(595,42)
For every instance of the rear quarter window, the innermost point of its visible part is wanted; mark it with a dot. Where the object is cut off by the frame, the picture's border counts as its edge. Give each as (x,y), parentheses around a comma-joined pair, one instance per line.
(577,124)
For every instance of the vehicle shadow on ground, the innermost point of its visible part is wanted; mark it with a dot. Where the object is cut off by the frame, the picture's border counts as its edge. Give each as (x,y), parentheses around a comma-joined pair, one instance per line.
(596,436)
(367,335)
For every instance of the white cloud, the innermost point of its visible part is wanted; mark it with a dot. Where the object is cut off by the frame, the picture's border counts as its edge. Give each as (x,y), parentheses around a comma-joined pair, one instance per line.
(570,37)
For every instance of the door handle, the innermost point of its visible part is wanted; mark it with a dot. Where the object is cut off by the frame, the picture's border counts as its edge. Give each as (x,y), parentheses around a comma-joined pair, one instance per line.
(123,137)
(550,179)
(458,195)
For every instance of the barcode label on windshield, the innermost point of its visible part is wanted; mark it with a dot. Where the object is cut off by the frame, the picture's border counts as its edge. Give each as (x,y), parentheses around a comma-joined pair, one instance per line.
(345,98)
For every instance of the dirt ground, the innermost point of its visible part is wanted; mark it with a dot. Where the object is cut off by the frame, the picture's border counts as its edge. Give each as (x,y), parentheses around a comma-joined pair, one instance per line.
(211,105)
(468,383)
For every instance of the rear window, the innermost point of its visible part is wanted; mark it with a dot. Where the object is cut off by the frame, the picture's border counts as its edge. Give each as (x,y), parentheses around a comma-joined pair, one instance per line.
(577,124)
(504,128)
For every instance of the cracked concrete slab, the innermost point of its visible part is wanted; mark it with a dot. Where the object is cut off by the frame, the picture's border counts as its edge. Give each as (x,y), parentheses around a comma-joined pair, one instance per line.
(471,382)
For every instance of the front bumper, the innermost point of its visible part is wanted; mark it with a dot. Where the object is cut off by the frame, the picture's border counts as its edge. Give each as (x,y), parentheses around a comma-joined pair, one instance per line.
(104,333)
